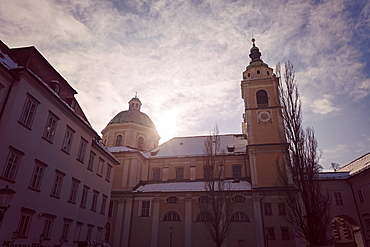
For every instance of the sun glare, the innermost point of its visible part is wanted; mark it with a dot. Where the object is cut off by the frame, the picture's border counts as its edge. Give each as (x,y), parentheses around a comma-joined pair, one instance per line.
(166,125)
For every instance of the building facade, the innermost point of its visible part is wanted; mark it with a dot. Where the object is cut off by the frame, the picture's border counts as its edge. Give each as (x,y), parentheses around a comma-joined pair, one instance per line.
(158,190)
(50,156)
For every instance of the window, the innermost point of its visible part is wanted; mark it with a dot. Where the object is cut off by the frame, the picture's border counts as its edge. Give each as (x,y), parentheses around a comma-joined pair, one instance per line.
(267,208)
(109,171)
(172,199)
(140,143)
(238,199)
(107,233)
(90,166)
(119,141)
(103,204)
(270,233)
(57,185)
(24,222)
(82,150)
(204,199)
(285,233)
(46,229)
(338,198)
(208,172)
(94,200)
(50,127)
(24,225)
(65,229)
(29,111)
(180,173)
(85,191)
(67,141)
(100,167)
(156,174)
(237,171)
(145,208)
(99,234)
(360,196)
(240,217)
(203,217)
(77,234)
(74,189)
(171,216)
(89,232)
(262,99)
(281,208)
(12,163)
(37,175)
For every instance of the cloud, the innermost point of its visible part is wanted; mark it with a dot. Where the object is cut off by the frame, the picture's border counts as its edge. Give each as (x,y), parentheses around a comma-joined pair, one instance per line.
(185,58)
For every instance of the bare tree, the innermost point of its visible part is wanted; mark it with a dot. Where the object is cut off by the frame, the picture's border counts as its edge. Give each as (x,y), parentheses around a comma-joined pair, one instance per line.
(307,201)
(217,209)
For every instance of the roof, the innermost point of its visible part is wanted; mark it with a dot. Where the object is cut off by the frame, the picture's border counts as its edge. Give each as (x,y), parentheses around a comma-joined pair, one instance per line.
(231,185)
(132,116)
(357,165)
(193,146)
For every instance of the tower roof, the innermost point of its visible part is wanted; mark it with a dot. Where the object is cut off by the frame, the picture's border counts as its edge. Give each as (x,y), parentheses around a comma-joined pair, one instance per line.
(255,56)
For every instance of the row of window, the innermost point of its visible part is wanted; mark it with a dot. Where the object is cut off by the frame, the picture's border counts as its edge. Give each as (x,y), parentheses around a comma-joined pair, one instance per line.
(120,142)
(26,119)
(206,199)
(47,228)
(284,233)
(338,199)
(207,172)
(13,162)
(267,209)
(37,176)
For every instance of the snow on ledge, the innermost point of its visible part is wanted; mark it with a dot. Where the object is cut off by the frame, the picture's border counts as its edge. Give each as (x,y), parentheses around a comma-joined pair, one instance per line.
(231,185)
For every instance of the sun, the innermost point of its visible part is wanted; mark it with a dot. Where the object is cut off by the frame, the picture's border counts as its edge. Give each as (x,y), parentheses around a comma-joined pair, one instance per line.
(166,125)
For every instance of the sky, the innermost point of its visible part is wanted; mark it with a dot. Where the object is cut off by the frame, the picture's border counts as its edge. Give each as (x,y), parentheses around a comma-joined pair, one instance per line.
(185,60)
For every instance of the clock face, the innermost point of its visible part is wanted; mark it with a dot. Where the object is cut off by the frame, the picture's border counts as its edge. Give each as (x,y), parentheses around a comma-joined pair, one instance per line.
(264,116)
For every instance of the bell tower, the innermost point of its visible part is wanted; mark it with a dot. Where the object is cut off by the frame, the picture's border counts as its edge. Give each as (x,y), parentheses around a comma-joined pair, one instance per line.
(262,120)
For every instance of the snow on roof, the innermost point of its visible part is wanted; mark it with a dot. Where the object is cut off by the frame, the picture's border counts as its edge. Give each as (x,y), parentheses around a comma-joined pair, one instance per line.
(7,61)
(357,165)
(193,146)
(122,149)
(231,185)
(333,175)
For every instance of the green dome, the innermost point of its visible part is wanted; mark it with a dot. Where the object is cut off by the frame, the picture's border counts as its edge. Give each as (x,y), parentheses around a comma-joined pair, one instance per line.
(132,116)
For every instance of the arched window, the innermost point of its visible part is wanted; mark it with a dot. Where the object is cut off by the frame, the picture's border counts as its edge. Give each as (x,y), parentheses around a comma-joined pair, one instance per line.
(237,171)
(140,143)
(240,217)
(172,199)
(204,199)
(171,216)
(238,199)
(119,141)
(262,99)
(203,216)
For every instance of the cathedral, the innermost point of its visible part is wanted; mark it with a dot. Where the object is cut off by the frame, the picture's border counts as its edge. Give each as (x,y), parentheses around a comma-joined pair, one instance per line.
(157,189)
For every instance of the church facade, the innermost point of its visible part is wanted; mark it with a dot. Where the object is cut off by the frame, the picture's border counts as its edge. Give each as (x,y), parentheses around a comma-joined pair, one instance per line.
(157,189)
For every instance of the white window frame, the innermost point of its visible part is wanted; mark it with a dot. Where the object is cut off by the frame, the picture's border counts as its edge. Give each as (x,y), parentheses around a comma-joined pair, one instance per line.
(72,197)
(57,184)
(147,212)
(50,127)
(67,140)
(12,164)
(82,150)
(29,111)
(37,175)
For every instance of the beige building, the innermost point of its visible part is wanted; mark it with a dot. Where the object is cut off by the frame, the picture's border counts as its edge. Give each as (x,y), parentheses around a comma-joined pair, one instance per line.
(157,189)
(50,156)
